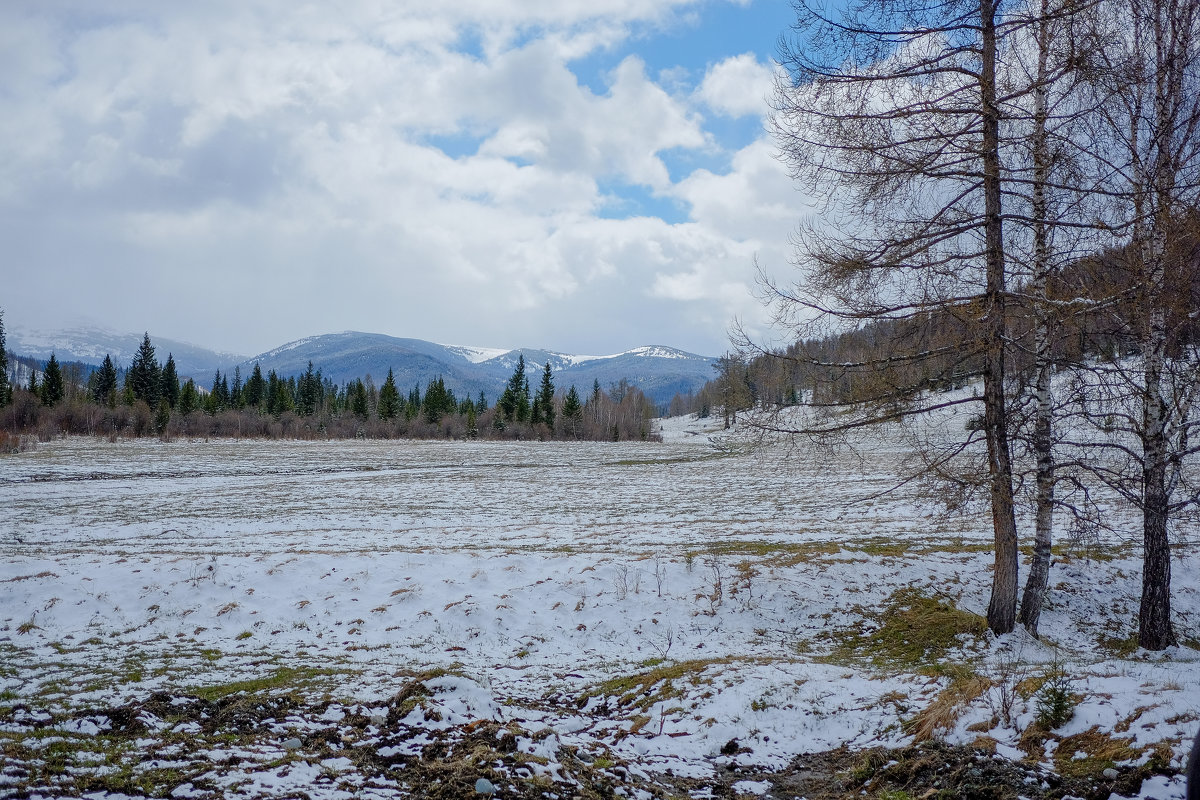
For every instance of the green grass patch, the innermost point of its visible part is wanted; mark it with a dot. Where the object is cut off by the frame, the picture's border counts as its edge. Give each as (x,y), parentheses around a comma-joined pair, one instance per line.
(284,678)
(912,631)
(1120,646)
(643,689)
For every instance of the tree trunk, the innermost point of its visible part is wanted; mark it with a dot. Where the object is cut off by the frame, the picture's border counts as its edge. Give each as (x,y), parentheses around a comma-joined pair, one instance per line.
(1154,616)
(1038,581)
(1155,631)
(1002,609)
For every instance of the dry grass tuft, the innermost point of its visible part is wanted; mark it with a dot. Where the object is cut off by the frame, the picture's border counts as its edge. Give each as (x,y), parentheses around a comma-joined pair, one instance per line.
(1100,750)
(939,716)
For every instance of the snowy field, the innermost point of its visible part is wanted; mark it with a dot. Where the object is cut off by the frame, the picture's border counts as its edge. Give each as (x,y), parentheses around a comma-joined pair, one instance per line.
(373,619)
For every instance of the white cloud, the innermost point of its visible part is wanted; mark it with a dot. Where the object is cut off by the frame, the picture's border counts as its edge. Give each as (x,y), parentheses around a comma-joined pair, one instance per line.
(737,86)
(405,167)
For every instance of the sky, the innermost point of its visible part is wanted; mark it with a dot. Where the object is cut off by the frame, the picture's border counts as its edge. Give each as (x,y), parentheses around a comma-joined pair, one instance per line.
(584,177)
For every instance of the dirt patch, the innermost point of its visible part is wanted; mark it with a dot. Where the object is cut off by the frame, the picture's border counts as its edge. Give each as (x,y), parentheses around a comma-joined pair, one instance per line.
(938,770)
(208,747)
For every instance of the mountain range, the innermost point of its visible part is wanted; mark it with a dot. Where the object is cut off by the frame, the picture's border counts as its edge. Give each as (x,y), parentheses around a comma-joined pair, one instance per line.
(660,372)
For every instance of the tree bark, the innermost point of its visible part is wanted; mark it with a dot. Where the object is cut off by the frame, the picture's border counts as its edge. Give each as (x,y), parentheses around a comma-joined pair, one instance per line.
(1154,616)
(1002,608)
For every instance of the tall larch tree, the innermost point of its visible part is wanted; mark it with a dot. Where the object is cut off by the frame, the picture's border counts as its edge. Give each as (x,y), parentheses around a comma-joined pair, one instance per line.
(890,112)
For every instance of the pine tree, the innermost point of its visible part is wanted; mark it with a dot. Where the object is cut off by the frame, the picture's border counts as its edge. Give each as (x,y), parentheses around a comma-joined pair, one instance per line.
(170,382)
(104,383)
(5,386)
(33,384)
(143,377)
(389,398)
(546,397)
(481,404)
(52,383)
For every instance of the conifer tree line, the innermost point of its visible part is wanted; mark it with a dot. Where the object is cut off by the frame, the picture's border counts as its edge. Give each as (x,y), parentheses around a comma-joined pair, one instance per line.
(149,398)
(1011,202)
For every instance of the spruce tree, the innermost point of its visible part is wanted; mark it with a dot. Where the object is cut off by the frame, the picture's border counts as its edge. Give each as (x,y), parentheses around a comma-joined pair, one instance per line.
(523,400)
(189,397)
(256,388)
(516,394)
(170,382)
(359,404)
(163,416)
(274,394)
(104,383)
(143,377)
(33,384)
(5,386)
(389,398)
(481,404)
(236,400)
(413,407)
(572,411)
(52,383)
(216,400)
(546,397)
(308,390)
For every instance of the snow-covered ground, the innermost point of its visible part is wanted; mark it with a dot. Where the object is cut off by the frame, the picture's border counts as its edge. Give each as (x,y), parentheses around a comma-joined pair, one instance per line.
(642,611)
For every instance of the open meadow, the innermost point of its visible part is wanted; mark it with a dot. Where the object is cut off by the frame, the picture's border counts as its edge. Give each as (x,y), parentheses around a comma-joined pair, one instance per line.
(395,618)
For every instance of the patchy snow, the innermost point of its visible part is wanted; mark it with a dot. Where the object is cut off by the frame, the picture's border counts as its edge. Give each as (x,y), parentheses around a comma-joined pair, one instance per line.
(283,348)
(531,584)
(476,355)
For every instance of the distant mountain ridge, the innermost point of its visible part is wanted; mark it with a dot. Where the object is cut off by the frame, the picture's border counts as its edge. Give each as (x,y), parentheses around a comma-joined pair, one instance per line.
(89,345)
(658,371)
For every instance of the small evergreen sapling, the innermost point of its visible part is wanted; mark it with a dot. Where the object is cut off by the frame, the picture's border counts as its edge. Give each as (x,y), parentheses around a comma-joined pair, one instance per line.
(1055,701)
